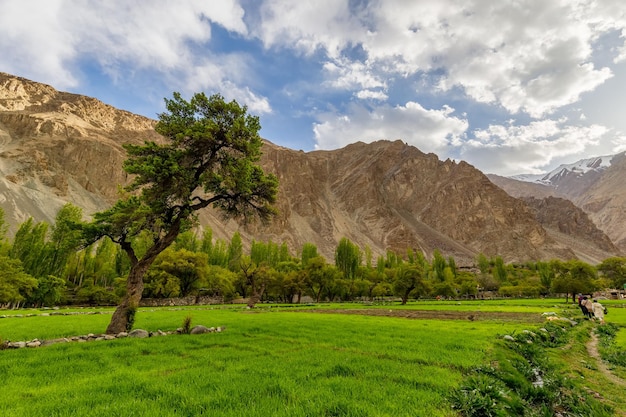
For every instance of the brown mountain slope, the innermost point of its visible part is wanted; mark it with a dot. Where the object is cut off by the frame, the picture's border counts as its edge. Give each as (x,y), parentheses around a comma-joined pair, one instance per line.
(605,201)
(571,226)
(57,147)
(601,194)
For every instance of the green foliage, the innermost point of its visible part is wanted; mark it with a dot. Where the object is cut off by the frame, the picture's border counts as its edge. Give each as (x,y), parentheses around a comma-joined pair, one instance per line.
(309,251)
(186,327)
(348,258)
(49,292)
(614,269)
(524,382)
(610,351)
(15,284)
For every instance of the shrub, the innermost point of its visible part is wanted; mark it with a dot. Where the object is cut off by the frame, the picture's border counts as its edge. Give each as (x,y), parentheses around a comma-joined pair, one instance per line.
(186,325)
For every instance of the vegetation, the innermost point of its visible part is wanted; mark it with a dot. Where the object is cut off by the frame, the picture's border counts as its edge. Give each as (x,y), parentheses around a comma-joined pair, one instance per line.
(276,363)
(288,361)
(198,265)
(209,159)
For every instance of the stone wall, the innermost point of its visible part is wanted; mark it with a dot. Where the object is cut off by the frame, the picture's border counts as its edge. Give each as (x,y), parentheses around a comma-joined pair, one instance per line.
(181,301)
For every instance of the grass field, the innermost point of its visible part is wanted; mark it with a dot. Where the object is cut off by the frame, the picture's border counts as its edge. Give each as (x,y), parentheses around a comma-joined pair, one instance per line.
(278,361)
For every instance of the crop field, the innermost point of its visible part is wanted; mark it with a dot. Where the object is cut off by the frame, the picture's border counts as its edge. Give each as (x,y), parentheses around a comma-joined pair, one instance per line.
(270,361)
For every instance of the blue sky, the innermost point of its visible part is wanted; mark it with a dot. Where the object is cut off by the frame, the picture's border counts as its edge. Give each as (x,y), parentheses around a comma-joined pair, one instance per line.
(510,87)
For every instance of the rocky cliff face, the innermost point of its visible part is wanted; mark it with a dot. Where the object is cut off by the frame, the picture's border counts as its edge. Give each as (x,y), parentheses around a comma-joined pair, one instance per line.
(571,226)
(599,190)
(57,147)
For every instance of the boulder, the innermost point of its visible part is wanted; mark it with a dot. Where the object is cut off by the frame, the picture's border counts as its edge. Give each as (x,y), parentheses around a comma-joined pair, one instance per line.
(140,333)
(200,329)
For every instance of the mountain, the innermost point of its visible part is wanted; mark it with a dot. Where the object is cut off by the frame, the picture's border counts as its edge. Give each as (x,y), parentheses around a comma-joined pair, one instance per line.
(58,147)
(596,185)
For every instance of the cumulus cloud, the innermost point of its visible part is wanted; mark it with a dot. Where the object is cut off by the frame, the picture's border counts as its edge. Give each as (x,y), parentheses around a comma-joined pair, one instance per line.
(429,130)
(514,149)
(123,38)
(532,56)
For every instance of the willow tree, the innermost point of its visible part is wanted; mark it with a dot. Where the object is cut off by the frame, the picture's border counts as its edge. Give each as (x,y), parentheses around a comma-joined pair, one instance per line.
(208,157)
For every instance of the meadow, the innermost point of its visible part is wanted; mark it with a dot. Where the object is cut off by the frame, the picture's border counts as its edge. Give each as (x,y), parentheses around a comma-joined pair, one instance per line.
(270,361)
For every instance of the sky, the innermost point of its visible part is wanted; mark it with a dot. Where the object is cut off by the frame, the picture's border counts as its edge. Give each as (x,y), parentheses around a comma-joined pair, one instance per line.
(509,86)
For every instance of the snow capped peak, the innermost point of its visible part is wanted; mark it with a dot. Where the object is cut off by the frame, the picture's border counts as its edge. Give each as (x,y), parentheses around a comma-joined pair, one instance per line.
(579,168)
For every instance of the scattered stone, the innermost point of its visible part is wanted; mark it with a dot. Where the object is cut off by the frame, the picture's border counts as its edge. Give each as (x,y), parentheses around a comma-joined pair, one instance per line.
(200,329)
(54,341)
(139,333)
(509,338)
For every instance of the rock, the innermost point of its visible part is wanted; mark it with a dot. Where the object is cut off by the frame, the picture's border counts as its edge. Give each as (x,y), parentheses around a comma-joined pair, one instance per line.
(17,345)
(139,333)
(108,337)
(200,329)
(508,338)
(34,343)
(53,341)
(121,335)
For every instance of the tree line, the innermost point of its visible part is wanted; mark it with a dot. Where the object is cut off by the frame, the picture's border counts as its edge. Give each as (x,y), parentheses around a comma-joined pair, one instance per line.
(46,265)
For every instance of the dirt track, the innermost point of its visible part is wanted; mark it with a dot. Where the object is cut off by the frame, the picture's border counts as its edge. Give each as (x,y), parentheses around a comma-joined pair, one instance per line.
(437,314)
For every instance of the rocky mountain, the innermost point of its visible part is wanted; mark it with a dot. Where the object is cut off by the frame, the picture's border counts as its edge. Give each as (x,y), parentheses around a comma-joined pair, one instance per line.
(571,226)
(596,185)
(57,147)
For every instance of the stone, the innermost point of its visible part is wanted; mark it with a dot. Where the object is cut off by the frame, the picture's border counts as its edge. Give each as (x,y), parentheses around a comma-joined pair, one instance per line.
(121,335)
(508,338)
(53,341)
(139,333)
(200,329)
(34,343)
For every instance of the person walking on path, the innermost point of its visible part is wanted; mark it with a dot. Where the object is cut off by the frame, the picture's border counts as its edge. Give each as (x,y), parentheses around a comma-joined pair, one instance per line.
(583,308)
(589,306)
(598,311)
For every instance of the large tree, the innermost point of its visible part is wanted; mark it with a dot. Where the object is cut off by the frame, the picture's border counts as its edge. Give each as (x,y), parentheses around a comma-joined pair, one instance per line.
(208,156)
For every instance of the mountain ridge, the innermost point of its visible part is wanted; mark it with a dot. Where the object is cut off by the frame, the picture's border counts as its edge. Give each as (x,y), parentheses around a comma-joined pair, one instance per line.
(59,147)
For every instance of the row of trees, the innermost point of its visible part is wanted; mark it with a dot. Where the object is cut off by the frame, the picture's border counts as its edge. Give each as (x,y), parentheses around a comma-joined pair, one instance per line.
(44,265)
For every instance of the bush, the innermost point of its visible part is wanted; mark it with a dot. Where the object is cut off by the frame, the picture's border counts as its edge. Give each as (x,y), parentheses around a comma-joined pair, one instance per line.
(481,396)
(186,325)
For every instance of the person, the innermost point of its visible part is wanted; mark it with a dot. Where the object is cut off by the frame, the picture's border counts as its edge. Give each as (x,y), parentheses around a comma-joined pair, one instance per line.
(583,308)
(598,311)
(589,306)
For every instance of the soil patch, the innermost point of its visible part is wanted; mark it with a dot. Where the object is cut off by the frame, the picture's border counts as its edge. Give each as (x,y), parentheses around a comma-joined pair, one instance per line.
(592,349)
(437,314)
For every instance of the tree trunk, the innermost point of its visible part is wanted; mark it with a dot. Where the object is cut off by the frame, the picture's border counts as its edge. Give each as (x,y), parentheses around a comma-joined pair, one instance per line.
(124,314)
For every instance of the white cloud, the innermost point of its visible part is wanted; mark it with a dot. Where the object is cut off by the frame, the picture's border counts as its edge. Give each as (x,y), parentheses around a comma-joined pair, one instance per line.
(514,149)
(533,56)
(124,38)
(429,130)
(372,95)
(308,25)
(351,75)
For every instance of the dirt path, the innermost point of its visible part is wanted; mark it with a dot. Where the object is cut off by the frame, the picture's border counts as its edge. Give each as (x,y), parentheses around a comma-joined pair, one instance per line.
(592,350)
(436,314)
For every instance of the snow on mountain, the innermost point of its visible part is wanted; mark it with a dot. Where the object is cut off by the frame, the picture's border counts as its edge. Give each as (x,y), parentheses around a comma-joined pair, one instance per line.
(584,166)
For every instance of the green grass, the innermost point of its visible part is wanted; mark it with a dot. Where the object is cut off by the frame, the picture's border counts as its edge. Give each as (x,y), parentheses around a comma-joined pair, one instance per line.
(269,361)
(264,364)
